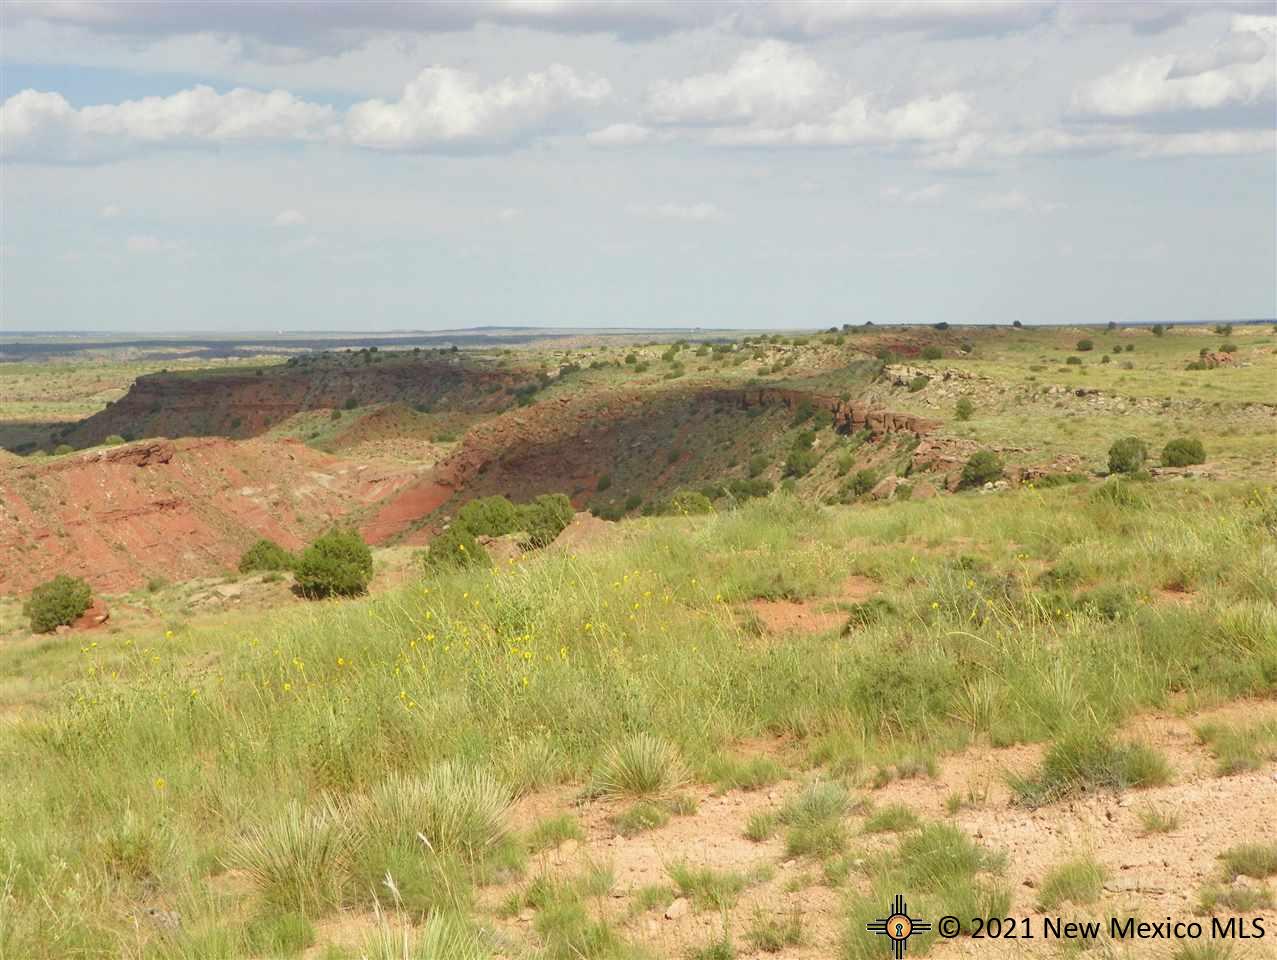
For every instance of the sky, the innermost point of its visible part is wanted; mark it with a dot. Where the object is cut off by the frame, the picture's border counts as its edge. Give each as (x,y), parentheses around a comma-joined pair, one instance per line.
(358,166)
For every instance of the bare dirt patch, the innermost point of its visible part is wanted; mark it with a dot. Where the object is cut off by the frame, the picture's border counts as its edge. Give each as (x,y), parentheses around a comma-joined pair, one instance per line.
(1156,875)
(793,616)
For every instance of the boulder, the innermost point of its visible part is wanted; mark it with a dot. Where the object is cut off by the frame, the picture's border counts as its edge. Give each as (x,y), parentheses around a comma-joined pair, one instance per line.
(94,617)
(884,488)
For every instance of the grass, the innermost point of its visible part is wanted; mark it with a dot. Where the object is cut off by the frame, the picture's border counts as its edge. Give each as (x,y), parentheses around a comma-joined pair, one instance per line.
(152,758)
(641,766)
(772,932)
(1154,820)
(1079,881)
(710,889)
(1257,860)
(761,825)
(1234,899)
(730,773)
(946,874)
(1238,749)
(1087,760)
(553,832)
(297,860)
(639,818)
(894,818)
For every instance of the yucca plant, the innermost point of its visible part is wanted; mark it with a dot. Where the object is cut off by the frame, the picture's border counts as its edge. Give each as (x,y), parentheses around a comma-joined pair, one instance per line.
(298,860)
(452,809)
(444,936)
(642,766)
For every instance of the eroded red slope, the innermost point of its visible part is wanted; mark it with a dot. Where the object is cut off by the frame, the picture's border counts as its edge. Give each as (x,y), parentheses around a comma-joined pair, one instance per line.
(174,509)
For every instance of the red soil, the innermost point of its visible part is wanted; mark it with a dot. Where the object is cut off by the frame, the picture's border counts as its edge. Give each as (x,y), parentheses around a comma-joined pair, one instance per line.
(173,509)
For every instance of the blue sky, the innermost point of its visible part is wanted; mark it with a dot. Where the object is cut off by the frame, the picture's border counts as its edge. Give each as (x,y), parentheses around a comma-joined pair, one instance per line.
(254,167)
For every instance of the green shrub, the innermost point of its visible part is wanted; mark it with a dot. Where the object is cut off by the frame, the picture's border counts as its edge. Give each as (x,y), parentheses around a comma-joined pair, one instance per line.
(964,409)
(338,563)
(633,502)
(747,489)
(688,503)
(114,440)
(57,603)
(1084,345)
(757,464)
(62,449)
(932,353)
(918,382)
(1228,347)
(861,482)
(350,403)
(1183,451)
(1127,455)
(545,518)
(1088,760)
(799,463)
(982,467)
(489,517)
(265,555)
(1158,330)
(455,547)
(1074,361)
(604,481)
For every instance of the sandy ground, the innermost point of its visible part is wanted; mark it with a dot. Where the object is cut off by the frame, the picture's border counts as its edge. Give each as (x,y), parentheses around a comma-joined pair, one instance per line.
(1155,876)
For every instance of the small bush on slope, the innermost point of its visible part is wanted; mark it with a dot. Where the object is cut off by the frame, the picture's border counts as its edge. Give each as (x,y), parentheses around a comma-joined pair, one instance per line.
(57,603)
(339,563)
(266,555)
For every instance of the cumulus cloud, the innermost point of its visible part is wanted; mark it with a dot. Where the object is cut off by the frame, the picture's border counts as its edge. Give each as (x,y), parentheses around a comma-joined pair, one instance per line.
(40,125)
(445,108)
(1239,70)
(700,212)
(290,218)
(776,94)
(860,122)
(110,211)
(768,81)
(277,28)
(441,109)
(620,135)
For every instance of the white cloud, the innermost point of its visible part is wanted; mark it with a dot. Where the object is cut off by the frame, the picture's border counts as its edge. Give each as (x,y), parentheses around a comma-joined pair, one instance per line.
(1017,201)
(980,149)
(859,121)
(110,211)
(620,135)
(38,125)
(508,214)
(932,193)
(272,29)
(700,212)
(769,81)
(775,94)
(290,218)
(445,108)
(1209,143)
(1240,70)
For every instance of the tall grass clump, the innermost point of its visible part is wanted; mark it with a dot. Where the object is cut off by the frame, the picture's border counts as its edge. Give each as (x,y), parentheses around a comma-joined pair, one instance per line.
(1087,760)
(298,860)
(640,766)
(452,809)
